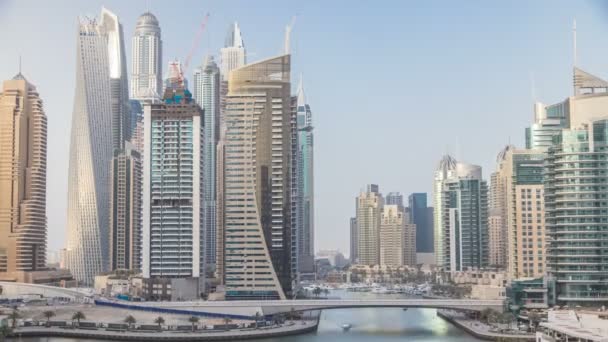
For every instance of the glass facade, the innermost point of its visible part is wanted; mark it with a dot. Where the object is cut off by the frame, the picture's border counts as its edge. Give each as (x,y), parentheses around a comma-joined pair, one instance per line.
(576,198)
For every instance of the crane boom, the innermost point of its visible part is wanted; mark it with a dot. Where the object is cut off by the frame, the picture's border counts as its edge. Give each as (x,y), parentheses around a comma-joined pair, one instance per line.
(195,44)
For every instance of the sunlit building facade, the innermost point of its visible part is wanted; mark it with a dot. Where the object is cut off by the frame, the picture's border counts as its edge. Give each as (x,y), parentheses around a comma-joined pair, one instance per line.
(446,164)
(23,147)
(576,174)
(172,188)
(369,217)
(146,63)
(99,125)
(257,182)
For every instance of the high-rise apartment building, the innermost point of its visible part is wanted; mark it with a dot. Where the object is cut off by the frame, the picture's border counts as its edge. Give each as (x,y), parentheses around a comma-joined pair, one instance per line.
(369,216)
(305,177)
(520,174)
(447,164)
(172,188)
(419,212)
(146,63)
(392,236)
(464,211)
(126,210)
(498,219)
(257,181)
(354,241)
(99,126)
(207,95)
(409,244)
(23,136)
(575,180)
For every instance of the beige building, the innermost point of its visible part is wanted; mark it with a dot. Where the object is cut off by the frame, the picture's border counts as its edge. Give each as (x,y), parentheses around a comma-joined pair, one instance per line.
(392,236)
(409,244)
(521,171)
(23,135)
(369,211)
(497,219)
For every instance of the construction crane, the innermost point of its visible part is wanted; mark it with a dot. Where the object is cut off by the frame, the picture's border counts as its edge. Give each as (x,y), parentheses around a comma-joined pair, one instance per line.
(195,44)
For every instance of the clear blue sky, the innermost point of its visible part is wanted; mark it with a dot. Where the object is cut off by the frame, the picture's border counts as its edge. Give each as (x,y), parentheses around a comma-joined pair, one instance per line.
(392,84)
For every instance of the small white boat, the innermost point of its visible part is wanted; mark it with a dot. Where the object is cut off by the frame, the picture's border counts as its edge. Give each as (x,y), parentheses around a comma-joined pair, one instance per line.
(346,326)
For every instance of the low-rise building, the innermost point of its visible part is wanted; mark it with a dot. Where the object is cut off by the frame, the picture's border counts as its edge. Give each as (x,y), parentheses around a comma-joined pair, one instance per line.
(51,277)
(569,325)
(531,293)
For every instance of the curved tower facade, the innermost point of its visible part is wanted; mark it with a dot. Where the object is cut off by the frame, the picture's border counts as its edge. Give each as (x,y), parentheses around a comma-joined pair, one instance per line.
(97,130)
(257,184)
(146,62)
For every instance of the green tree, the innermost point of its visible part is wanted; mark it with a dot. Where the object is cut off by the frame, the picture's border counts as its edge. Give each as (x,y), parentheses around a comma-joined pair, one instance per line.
(326,292)
(160,321)
(14,316)
(194,320)
(130,320)
(317,291)
(4,332)
(48,314)
(488,315)
(77,316)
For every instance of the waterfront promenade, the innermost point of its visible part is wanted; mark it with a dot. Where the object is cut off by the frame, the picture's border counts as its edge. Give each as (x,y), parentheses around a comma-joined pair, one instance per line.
(298,327)
(480,330)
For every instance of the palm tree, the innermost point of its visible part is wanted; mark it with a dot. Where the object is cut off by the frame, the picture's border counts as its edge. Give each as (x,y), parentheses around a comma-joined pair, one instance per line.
(14,316)
(326,292)
(160,321)
(257,317)
(78,315)
(317,291)
(193,320)
(48,314)
(227,320)
(130,320)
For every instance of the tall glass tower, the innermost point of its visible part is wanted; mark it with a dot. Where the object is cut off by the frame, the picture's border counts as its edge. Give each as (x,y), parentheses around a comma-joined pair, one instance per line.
(305,165)
(99,125)
(446,165)
(207,95)
(464,212)
(576,174)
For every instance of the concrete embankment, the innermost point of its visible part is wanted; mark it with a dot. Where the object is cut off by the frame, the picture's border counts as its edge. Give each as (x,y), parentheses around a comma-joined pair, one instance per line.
(300,327)
(479,332)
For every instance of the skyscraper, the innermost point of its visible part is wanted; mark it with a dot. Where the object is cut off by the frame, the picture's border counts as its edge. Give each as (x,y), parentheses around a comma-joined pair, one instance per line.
(305,173)
(446,165)
(232,55)
(126,210)
(207,95)
(369,215)
(465,218)
(588,102)
(420,217)
(257,185)
(146,64)
(575,180)
(498,219)
(23,135)
(172,188)
(394,198)
(354,241)
(392,236)
(98,127)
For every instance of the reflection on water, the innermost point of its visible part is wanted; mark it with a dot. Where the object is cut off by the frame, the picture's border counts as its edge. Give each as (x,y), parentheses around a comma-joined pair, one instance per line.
(367,325)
